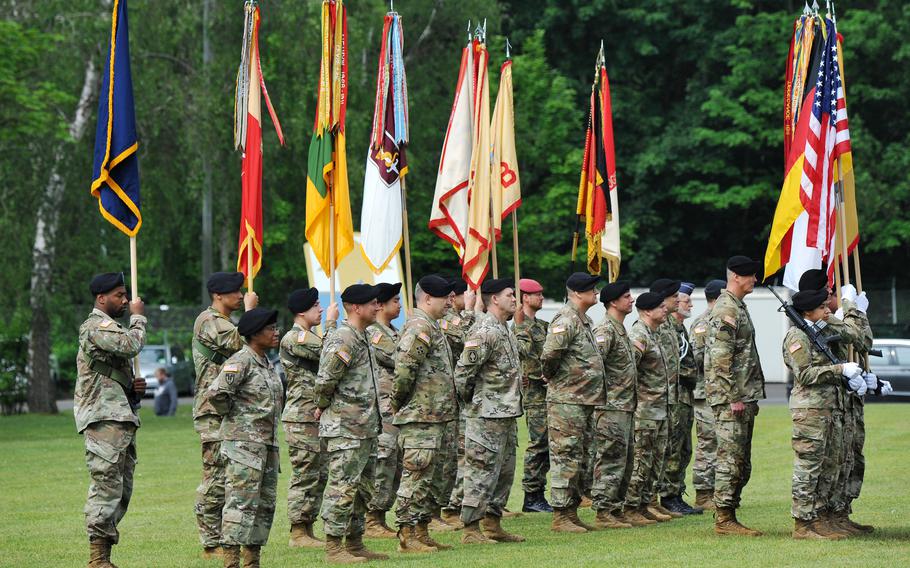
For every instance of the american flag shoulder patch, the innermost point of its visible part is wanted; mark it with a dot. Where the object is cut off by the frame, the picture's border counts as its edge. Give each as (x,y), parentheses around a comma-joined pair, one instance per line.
(377,337)
(600,339)
(344,356)
(730,320)
(301,337)
(456,321)
(423,336)
(794,347)
(699,329)
(558,328)
(232,368)
(638,345)
(471,343)
(444,324)
(107,323)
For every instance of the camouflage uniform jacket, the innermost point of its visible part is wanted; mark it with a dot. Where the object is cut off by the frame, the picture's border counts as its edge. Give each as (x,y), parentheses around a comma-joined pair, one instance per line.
(384,342)
(346,386)
(488,373)
(531,334)
(619,363)
(99,397)
(571,361)
(854,331)
(816,380)
(688,370)
(216,332)
(455,326)
(424,387)
(669,339)
(732,369)
(299,352)
(249,396)
(699,334)
(651,362)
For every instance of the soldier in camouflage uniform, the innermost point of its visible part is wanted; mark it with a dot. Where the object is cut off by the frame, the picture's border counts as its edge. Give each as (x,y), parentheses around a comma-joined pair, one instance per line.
(706,440)
(423,403)
(249,396)
(488,381)
(734,383)
(300,351)
(105,406)
(531,332)
(384,342)
(651,411)
(215,338)
(347,397)
(574,370)
(682,417)
(615,447)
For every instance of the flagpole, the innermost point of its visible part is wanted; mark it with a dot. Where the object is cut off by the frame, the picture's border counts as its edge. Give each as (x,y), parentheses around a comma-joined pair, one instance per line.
(249,262)
(332,239)
(409,279)
(134,287)
(515,255)
(493,239)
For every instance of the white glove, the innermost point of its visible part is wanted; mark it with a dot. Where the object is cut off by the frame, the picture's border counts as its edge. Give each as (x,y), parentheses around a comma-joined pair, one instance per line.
(848,292)
(886,388)
(871,380)
(857,385)
(852,370)
(862,302)
(839,314)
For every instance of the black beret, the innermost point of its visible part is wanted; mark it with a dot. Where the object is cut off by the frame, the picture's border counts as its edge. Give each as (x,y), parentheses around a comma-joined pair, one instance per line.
(387,291)
(808,300)
(665,287)
(253,321)
(496,285)
(743,265)
(225,282)
(814,279)
(648,301)
(435,286)
(103,283)
(582,281)
(713,288)
(359,294)
(458,285)
(303,299)
(612,291)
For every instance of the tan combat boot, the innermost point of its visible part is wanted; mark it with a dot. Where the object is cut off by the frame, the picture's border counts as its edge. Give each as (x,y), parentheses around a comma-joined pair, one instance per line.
(725,523)
(99,554)
(302,537)
(607,520)
(802,530)
(336,553)
(231,555)
(827,524)
(422,533)
(450,517)
(865,529)
(408,542)
(585,502)
(376,527)
(655,504)
(704,499)
(211,552)
(250,555)
(437,524)
(632,516)
(492,528)
(562,522)
(507,514)
(473,535)
(652,513)
(843,521)
(573,513)
(354,546)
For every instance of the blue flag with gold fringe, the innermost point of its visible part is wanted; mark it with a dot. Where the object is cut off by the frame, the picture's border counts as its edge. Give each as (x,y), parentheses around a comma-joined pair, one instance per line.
(115,174)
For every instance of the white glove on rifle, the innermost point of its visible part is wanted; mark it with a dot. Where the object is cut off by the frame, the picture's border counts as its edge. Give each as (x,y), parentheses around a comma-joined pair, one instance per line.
(848,292)
(858,385)
(839,314)
(862,302)
(886,388)
(851,370)
(871,380)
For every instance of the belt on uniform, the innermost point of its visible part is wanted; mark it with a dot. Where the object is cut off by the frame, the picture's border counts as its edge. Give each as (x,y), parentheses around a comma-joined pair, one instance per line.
(213,356)
(110,372)
(307,364)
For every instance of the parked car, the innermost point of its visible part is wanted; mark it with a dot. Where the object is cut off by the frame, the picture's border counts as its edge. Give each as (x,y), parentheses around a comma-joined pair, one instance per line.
(171,358)
(893,366)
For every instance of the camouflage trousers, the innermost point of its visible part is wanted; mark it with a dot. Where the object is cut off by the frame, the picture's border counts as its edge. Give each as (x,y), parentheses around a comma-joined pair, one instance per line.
(705,447)
(490,445)
(448,486)
(537,454)
(388,470)
(846,458)
(613,451)
(813,471)
(422,457)
(250,492)
(569,425)
(648,460)
(309,471)
(349,487)
(110,455)
(679,449)
(734,453)
(210,492)
(858,468)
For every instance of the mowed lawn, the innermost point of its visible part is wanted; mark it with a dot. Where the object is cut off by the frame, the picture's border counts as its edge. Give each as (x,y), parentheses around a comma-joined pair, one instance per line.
(43,483)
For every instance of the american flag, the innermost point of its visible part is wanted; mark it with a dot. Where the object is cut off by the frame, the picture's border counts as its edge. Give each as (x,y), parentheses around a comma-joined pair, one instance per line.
(827,139)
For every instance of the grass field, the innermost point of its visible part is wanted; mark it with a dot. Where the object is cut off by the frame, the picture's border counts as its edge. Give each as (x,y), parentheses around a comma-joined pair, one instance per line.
(43,484)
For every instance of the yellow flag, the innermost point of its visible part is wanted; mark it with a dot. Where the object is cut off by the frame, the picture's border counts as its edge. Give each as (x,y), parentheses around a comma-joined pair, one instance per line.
(505,183)
(477,241)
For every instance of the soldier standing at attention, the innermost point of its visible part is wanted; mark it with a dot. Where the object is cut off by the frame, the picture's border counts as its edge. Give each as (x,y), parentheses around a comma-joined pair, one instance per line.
(706,439)
(347,397)
(651,411)
(531,332)
(300,351)
(681,414)
(734,383)
(488,381)
(384,342)
(106,405)
(574,370)
(249,396)
(615,447)
(423,402)
(215,338)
